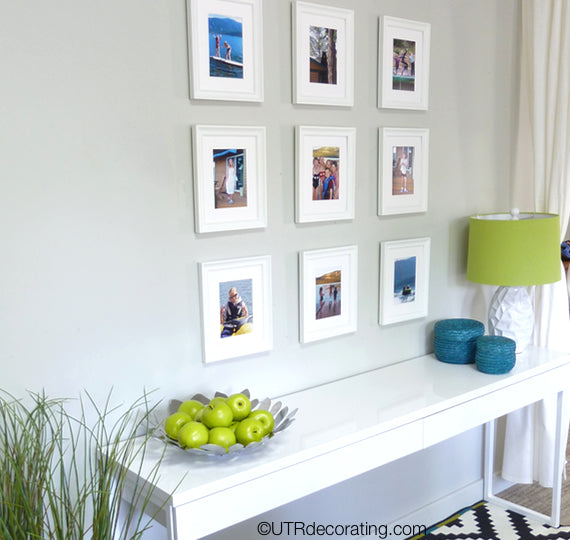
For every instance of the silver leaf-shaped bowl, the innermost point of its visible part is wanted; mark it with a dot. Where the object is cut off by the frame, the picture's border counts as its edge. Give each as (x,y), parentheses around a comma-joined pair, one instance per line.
(281,414)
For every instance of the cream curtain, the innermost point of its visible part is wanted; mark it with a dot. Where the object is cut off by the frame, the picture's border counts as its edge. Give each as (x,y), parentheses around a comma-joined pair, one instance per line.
(541,182)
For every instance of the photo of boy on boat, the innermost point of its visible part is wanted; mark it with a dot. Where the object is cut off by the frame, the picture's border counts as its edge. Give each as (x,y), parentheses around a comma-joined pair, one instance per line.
(236,311)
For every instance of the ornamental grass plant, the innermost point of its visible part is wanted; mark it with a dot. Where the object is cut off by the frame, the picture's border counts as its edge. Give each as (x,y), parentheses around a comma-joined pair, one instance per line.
(63,475)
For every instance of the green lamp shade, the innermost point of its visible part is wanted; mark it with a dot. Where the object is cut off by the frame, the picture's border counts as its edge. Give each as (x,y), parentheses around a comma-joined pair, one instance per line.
(514,250)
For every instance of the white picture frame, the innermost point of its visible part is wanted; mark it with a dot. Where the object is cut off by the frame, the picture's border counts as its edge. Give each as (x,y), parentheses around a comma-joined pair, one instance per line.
(334,149)
(226,49)
(404,280)
(230,185)
(403,178)
(251,334)
(323,79)
(331,311)
(404,63)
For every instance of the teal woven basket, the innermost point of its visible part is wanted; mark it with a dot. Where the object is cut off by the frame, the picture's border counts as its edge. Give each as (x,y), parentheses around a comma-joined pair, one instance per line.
(454,340)
(495,354)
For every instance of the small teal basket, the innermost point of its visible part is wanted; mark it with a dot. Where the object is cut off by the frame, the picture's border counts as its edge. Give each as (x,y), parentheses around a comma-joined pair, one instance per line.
(495,354)
(455,340)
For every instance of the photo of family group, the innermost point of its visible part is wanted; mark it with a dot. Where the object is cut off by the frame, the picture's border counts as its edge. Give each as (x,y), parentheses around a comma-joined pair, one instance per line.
(225,46)
(236,308)
(328,300)
(402,170)
(230,185)
(404,280)
(323,55)
(325,172)
(404,65)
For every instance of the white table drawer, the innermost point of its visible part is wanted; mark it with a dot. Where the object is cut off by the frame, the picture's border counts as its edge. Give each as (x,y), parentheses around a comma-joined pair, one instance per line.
(285,485)
(470,414)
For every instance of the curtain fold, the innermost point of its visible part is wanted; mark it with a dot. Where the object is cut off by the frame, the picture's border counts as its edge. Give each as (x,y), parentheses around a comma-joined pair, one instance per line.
(542,181)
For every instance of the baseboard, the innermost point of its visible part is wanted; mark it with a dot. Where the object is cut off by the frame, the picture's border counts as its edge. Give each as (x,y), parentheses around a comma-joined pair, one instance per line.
(436,511)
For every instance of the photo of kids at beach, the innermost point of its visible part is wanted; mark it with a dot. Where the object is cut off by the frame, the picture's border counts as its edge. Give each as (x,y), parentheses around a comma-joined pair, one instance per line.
(327,294)
(325,176)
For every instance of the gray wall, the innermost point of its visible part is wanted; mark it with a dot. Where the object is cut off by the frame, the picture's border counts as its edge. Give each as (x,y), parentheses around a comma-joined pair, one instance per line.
(99,256)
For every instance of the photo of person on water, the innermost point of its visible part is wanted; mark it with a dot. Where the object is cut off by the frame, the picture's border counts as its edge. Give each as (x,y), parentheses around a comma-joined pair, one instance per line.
(236,312)
(225,46)
(404,280)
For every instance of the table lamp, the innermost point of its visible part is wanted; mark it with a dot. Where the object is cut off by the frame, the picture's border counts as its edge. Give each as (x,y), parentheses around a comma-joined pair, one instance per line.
(513,251)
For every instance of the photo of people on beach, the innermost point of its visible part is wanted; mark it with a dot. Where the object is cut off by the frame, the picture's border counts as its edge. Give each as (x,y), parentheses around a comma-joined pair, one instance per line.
(404,65)
(325,178)
(225,46)
(404,280)
(403,170)
(323,55)
(230,182)
(328,298)
(236,308)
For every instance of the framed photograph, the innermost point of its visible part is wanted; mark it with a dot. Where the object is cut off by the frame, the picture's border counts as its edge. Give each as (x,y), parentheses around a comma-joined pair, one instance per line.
(323,55)
(404,280)
(403,75)
(403,170)
(236,307)
(229,178)
(226,56)
(325,173)
(328,290)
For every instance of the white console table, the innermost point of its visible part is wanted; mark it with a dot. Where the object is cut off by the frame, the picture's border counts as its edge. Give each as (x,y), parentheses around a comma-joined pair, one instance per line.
(379,416)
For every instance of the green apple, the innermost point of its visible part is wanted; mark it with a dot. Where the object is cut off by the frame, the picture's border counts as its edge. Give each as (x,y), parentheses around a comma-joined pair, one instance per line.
(199,414)
(218,399)
(191,407)
(217,415)
(174,422)
(240,406)
(265,418)
(222,436)
(249,430)
(193,435)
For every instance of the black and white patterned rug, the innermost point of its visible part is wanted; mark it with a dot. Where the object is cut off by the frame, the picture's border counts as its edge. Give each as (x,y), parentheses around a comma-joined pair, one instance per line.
(485,521)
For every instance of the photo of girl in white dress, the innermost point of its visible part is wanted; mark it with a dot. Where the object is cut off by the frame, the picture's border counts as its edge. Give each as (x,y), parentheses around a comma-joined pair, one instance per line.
(230,185)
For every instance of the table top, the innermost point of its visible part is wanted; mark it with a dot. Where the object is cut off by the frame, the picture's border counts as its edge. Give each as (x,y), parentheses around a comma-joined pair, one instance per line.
(340,413)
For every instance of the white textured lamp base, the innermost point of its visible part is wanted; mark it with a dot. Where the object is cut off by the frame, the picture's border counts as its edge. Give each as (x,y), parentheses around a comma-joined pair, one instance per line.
(511,315)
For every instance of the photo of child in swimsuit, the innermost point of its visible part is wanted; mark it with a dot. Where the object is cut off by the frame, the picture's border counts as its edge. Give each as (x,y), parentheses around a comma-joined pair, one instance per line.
(325,177)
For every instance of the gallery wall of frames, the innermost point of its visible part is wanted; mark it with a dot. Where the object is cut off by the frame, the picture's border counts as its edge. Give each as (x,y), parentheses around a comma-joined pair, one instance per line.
(230,170)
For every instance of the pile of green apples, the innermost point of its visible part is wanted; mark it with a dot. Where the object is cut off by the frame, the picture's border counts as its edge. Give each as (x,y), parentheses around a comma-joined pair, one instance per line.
(224,421)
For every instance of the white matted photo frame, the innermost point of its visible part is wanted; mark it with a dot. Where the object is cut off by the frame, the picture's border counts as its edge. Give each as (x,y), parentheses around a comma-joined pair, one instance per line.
(236,307)
(404,280)
(403,170)
(230,186)
(323,54)
(328,292)
(325,173)
(226,56)
(404,53)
